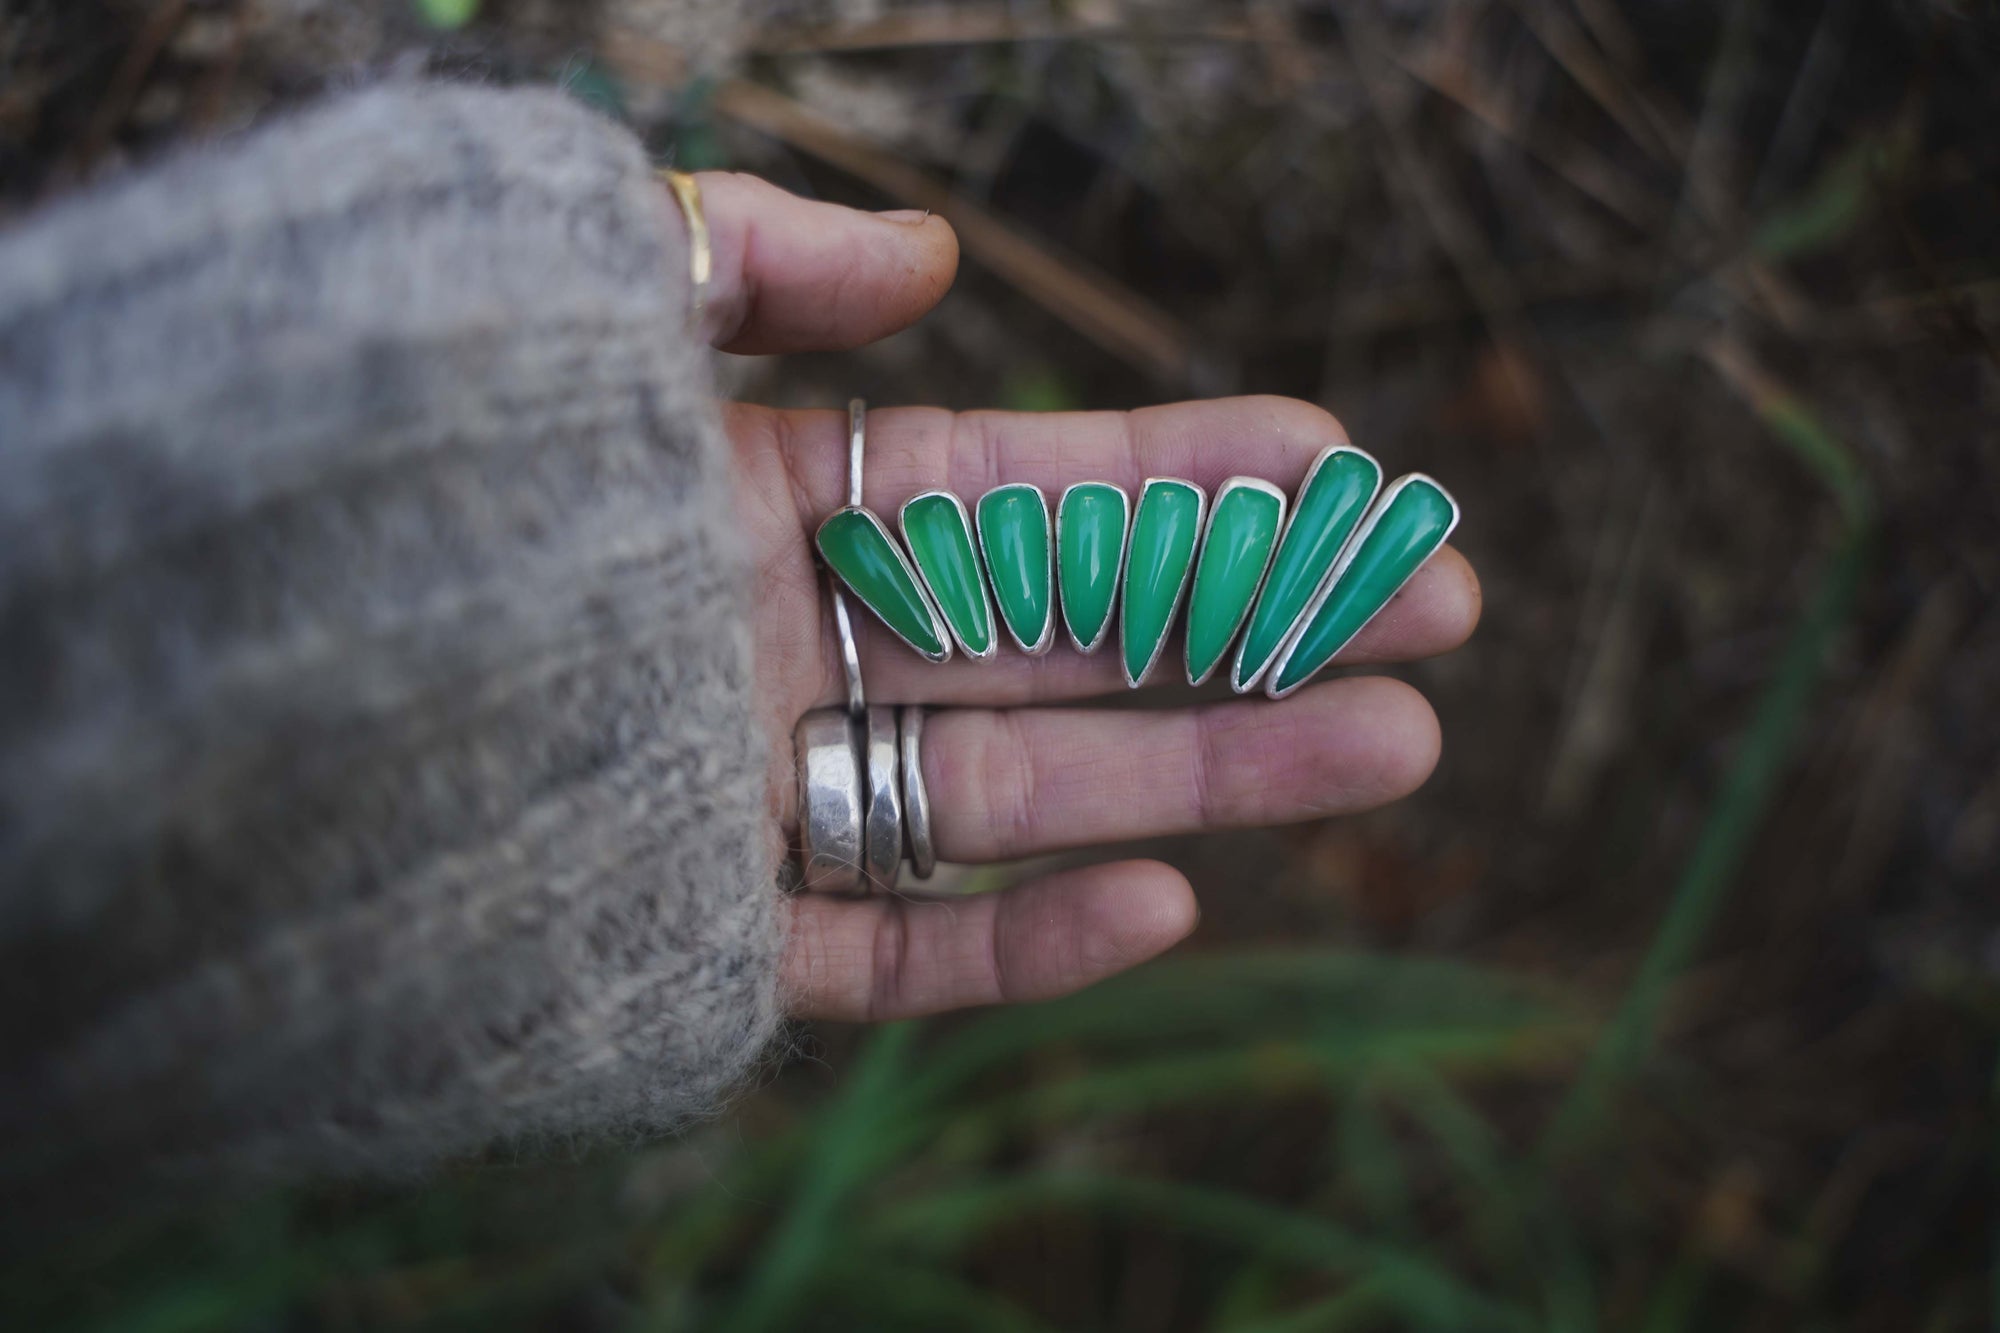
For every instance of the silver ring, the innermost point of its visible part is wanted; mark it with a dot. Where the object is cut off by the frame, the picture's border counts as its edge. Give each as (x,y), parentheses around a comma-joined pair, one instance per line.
(882,845)
(916,797)
(831,802)
(850,652)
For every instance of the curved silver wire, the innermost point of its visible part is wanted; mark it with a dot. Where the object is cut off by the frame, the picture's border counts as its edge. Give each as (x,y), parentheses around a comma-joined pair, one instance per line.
(857,446)
(850,652)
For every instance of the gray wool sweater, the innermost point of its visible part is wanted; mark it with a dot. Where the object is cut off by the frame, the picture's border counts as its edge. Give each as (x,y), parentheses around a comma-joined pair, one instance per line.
(378,779)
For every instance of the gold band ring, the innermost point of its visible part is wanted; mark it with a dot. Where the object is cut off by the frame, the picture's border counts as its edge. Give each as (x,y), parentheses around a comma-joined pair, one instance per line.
(701,258)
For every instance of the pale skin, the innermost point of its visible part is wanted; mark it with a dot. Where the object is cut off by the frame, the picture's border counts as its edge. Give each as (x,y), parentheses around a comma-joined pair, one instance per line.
(1009,778)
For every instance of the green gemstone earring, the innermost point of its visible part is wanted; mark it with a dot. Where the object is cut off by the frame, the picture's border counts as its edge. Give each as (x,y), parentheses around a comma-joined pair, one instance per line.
(1403,530)
(1014,536)
(858,547)
(1338,488)
(1091,519)
(1165,531)
(1244,521)
(938,532)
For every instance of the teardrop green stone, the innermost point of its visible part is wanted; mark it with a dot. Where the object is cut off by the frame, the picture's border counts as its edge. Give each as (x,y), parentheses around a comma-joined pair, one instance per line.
(857,546)
(1405,529)
(940,540)
(1014,534)
(1090,548)
(1235,551)
(1165,531)
(1336,494)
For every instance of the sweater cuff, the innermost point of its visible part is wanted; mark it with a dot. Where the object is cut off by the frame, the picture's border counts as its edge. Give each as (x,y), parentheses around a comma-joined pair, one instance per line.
(379,776)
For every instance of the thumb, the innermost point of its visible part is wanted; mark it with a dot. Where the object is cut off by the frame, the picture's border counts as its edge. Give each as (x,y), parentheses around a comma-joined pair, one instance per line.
(796,275)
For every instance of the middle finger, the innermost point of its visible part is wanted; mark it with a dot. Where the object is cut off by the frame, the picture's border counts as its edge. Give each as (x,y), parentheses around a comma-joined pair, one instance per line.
(1024,781)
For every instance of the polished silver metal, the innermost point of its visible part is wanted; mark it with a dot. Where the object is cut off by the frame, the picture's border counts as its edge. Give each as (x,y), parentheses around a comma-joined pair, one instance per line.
(1201,554)
(1048,634)
(916,796)
(882,841)
(1238,681)
(1340,566)
(1117,575)
(831,802)
(857,447)
(850,652)
(1180,593)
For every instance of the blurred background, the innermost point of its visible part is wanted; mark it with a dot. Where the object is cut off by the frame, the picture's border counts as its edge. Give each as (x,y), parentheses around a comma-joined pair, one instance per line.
(1668,1004)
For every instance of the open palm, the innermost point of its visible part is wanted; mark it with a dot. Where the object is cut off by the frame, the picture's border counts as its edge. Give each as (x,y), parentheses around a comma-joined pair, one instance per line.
(1009,776)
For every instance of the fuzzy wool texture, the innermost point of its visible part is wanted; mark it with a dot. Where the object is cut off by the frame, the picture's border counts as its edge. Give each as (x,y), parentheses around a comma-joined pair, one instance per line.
(378,773)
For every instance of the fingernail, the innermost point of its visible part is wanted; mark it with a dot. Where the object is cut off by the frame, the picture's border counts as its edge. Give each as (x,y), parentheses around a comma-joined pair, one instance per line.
(908,216)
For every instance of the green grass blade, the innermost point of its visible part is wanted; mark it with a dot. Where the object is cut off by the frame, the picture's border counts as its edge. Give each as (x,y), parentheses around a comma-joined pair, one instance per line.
(1360,1301)
(888,1294)
(1725,838)
(1371,1167)
(1271,1069)
(1409,1281)
(1513,1222)
(848,1150)
(1673,1306)
(1752,778)
(1233,998)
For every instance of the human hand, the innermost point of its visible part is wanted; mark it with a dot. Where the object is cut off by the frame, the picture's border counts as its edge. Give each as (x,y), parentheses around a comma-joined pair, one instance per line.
(1008,779)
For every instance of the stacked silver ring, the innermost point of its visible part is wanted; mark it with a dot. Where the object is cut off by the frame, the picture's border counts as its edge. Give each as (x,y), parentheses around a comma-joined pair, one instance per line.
(863,805)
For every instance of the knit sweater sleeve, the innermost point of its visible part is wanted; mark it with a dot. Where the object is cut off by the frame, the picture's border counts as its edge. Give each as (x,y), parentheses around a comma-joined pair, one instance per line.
(378,775)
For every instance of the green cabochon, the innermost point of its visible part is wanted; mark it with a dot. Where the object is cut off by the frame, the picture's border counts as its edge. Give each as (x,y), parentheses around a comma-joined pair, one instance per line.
(1165,531)
(1335,495)
(858,548)
(1090,551)
(939,535)
(1014,535)
(1242,532)
(1404,529)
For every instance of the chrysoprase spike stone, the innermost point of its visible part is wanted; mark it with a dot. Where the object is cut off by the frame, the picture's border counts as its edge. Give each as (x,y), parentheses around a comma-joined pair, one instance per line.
(939,536)
(1014,535)
(858,548)
(1090,550)
(1235,551)
(1405,528)
(1165,532)
(1336,494)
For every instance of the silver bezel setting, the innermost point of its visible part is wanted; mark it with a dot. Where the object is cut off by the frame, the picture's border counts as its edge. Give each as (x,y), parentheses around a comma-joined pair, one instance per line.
(1368,524)
(978,574)
(1180,593)
(1117,575)
(1201,554)
(909,567)
(1048,636)
(1237,682)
